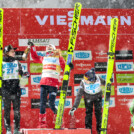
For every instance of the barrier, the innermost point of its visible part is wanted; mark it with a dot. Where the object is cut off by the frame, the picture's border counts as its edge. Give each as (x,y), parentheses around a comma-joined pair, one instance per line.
(56,131)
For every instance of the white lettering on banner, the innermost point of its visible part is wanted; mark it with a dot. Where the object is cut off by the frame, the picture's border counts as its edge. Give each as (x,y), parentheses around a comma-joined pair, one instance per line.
(85,20)
(124,101)
(61,20)
(40,21)
(83,65)
(36,89)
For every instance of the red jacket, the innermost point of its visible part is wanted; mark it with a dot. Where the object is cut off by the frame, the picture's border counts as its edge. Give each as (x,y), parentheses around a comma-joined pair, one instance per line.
(49,67)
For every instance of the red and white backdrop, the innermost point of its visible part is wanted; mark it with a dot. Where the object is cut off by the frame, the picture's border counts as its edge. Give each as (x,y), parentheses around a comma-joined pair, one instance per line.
(44,26)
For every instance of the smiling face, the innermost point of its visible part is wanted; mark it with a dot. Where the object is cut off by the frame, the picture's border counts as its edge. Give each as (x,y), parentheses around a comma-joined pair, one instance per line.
(11,53)
(49,48)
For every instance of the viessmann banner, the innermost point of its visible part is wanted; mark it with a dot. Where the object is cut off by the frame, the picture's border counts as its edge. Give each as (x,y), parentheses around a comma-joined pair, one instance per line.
(52,26)
(51,21)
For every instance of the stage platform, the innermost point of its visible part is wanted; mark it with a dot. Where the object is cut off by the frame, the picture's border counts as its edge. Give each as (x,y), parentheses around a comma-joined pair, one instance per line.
(56,131)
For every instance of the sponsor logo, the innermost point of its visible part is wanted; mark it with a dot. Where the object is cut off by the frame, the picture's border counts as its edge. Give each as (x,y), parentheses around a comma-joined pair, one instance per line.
(101,55)
(35,103)
(36,89)
(49,60)
(124,66)
(76,89)
(23,81)
(68,103)
(85,20)
(100,66)
(78,78)
(104,76)
(36,67)
(24,67)
(125,90)
(124,101)
(64,54)
(82,66)
(82,55)
(69,91)
(24,103)
(39,42)
(111,103)
(9,65)
(125,78)
(124,55)
(24,92)
(35,79)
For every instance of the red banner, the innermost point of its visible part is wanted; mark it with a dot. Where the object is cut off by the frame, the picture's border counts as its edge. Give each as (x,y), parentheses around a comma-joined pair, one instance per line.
(44,26)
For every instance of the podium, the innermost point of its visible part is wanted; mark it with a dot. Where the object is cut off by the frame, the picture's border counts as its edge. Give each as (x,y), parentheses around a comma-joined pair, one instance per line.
(56,131)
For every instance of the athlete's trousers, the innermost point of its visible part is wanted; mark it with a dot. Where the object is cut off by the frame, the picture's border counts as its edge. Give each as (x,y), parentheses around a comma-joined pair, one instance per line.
(98,114)
(7,108)
(52,91)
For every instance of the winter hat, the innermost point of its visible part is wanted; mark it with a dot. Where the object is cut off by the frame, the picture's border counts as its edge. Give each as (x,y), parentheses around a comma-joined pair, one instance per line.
(90,75)
(8,48)
(52,46)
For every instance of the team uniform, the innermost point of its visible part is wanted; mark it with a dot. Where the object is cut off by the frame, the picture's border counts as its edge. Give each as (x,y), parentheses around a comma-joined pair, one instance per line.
(92,93)
(11,91)
(49,81)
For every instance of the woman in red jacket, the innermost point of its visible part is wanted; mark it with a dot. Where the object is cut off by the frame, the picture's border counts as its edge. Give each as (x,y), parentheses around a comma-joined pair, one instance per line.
(52,64)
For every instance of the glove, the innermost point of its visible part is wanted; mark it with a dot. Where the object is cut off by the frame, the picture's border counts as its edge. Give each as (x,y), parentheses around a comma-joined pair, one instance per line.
(26,75)
(71,65)
(30,43)
(71,112)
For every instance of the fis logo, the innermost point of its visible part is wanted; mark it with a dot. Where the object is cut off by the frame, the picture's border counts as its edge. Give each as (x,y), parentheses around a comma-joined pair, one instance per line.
(76,89)
(82,55)
(111,103)
(104,76)
(24,92)
(124,66)
(68,103)
(37,79)
(125,90)
(24,66)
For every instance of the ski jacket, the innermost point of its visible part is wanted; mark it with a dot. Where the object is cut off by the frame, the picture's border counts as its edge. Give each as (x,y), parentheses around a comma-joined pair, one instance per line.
(11,69)
(51,68)
(90,91)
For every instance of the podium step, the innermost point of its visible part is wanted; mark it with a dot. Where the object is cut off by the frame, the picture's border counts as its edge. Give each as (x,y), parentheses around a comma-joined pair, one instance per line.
(56,131)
